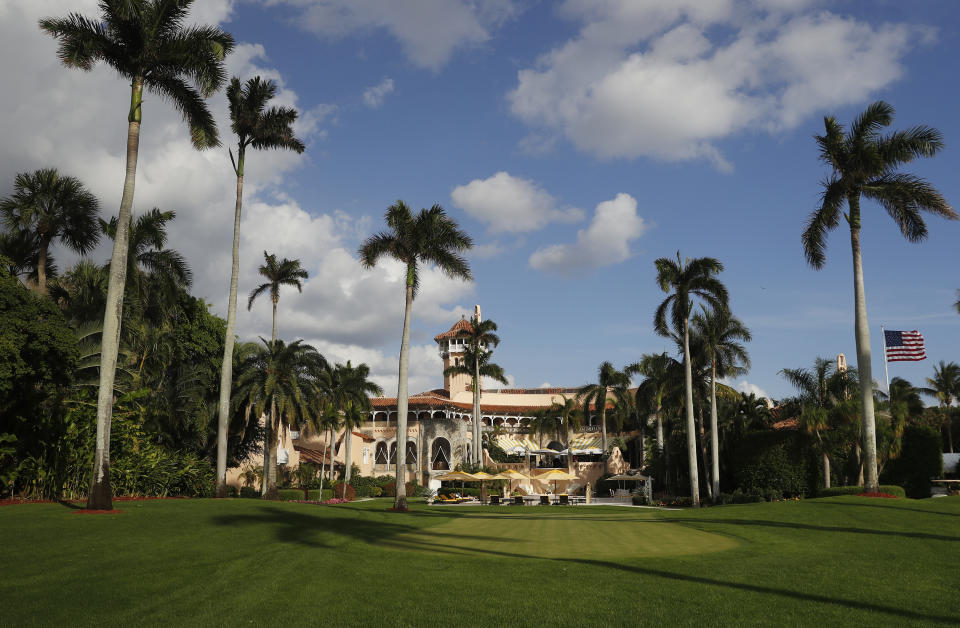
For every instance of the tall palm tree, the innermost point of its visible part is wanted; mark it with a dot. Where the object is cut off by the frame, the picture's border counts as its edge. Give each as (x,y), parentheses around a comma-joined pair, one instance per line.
(476,363)
(721,334)
(259,128)
(280,377)
(48,207)
(568,411)
(287,272)
(660,372)
(865,163)
(147,43)
(687,281)
(945,386)
(608,378)
(430,237)
(347,388)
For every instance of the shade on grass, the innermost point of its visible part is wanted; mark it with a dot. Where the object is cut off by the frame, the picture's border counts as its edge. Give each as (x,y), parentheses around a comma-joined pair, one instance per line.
(831,561)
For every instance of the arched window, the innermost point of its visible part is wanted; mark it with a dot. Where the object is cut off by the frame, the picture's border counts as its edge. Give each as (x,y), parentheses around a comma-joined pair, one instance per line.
(440,454)
(393,453)
(380,457)
(411,452)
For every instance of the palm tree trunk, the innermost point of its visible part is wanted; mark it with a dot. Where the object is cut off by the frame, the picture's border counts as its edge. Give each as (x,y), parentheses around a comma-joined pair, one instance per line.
(659,427)
(274,335)
(226,369)
(401,500)
(271,442)
(862,333)
(703,453)
(347,453)
(714,434)
(603,425)
(477,457)
(100,497)
(44,246)
(826,470)
(688,402)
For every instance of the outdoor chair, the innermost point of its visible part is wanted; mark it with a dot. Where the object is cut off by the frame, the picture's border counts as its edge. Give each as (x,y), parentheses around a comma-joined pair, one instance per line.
(564,500)
(518,500)
(494,500)
(544,500)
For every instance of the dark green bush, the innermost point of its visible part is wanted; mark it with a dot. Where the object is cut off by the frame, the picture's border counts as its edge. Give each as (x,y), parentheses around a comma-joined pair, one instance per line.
(232,491)
(389,489)
(249,492)
(344,491)
(835,491)
(774,465)
(920,461)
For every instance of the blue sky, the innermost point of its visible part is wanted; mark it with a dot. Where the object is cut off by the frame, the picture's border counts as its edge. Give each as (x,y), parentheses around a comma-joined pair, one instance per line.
(575,141)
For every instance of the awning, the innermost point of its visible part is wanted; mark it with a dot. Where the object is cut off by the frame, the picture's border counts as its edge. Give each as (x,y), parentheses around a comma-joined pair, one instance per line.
(513,445)
(587,444)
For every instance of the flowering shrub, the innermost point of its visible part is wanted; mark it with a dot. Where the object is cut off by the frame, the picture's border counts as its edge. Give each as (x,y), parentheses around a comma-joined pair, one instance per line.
(336,500)
(888,495)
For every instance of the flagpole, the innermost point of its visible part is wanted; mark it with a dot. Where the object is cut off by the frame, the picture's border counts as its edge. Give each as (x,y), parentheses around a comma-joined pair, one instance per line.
(886,370)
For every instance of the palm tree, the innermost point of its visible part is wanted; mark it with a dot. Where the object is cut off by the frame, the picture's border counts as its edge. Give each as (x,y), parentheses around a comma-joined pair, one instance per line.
(258,128)
(45,207)
(347,388)
(687,280)
(865,163)
(280,377)
(945,386)
(288,272)
(608,378)
(721,334)
(815,399)
(147,43)
(660,372)
(476,363)
(571,420)
(429,237)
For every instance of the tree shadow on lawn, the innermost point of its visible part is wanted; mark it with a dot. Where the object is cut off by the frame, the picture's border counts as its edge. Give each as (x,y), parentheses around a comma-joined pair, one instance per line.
(890,507)
(304,528)
(816,528)
(668,575)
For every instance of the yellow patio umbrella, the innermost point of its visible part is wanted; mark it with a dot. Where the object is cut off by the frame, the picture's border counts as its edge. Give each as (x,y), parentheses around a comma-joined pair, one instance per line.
(512,474)
(483,476)
(463,476)
(555,475)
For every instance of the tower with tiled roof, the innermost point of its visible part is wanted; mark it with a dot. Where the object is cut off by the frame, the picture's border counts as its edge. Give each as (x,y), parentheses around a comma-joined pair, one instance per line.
(451,347)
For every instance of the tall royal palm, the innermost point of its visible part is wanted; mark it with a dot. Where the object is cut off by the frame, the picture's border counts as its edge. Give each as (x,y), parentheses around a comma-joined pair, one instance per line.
(608,378)
(685,282)
(430,237)
(147,43)
(476,363)
(284,273)
(660,372)
(721,335)
(258,127)
(866,163)
(945,386)
(46,207)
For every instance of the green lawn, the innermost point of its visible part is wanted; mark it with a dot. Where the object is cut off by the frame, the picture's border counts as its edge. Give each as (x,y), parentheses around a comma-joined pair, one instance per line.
(839,561)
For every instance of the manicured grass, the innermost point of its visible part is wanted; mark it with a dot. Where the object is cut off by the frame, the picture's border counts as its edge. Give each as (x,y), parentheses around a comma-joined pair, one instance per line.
(837,561)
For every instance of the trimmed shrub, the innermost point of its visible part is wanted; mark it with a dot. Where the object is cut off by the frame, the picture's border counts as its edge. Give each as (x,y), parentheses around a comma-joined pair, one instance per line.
(836,491)
(920,460)
(774,465)
(390,489)
(344,491)
(232,491)
(296,494)
(249,492)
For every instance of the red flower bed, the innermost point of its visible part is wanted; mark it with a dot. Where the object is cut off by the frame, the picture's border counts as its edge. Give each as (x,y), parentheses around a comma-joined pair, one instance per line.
(887,495)
(84,511)
(14,501)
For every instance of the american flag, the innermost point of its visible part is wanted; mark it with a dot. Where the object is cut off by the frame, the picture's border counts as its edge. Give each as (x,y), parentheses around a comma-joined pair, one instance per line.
(904,346)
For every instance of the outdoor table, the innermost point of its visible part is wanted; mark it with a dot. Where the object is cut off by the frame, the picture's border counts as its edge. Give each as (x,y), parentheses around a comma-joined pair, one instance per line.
(530,500)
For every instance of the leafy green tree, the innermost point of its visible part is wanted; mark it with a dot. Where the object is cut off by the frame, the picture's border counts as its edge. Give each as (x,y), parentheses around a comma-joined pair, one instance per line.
(865,163)
(722,335)
(608,378)
(280,377)
(685,282)
(660,373)
(147,43)
(47,207)
(430,237)
(476,363)
(817,387)
(945,387)
(260,128)
(570,416)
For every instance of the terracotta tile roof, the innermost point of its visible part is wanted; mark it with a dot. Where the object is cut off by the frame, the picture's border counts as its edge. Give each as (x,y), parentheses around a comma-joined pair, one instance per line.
(787,424)
(316,456)
(461,325)
(433,400)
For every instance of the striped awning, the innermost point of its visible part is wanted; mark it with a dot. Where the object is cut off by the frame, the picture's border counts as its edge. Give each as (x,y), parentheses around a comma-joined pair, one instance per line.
(587,441)
(512,444)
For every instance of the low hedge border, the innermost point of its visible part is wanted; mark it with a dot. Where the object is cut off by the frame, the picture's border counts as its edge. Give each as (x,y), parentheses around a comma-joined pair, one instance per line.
(836,491)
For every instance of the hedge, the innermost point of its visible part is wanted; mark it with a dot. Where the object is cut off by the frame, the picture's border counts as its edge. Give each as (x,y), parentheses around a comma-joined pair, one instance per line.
(341,491)
(889,489)
(920,460)
(774,465)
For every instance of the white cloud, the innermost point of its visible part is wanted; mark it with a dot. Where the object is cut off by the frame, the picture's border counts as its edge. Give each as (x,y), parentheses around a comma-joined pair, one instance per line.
(511,204)
(746,387)
(373,97)
(76,122)
(428,31)
(645,79)
(606,241)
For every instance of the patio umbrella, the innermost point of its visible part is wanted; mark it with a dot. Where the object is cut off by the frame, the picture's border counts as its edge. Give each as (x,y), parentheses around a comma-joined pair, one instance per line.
(463,476)
(512,474)
(482,476)
(624,477)
(555,475)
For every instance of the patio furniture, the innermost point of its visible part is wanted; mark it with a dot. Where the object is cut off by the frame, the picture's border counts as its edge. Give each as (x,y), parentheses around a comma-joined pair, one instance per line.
(494,500)
(530,500)
(544,500)
(564,500)
(518,500)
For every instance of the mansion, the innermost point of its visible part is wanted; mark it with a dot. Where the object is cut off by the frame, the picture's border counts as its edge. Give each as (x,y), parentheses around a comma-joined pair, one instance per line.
(440,431)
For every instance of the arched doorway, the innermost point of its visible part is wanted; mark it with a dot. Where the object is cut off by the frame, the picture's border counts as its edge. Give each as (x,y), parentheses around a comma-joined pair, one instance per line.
(440,454)
(380,456)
